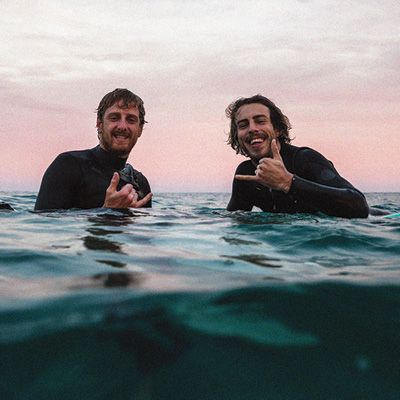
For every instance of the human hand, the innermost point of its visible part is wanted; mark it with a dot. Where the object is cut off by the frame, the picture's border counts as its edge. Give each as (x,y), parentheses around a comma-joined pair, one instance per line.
(125,198)
(271,172)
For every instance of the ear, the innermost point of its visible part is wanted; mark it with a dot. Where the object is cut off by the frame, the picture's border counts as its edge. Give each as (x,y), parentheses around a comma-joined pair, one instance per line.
(99,126)
(140,131)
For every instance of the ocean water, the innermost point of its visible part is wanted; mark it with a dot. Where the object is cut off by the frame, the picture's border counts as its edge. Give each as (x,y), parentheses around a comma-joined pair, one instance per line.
(188,301)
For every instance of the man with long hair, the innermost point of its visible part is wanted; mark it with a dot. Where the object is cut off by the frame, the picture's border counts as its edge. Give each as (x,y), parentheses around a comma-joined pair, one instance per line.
(280,177)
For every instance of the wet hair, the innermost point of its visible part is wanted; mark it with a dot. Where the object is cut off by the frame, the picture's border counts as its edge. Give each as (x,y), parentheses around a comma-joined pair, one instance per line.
(279,121)
(127,97)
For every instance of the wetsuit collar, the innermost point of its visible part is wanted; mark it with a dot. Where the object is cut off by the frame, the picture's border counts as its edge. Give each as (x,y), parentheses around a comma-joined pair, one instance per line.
(108,159)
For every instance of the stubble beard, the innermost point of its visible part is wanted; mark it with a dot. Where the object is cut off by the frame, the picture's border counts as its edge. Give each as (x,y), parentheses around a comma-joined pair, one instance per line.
(108,148)
(255,160)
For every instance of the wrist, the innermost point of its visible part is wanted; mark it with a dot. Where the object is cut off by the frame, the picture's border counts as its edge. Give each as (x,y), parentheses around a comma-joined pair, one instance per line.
(288,184)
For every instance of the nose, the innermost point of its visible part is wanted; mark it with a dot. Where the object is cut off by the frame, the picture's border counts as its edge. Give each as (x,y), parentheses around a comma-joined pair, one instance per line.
(253,126)
(122,124)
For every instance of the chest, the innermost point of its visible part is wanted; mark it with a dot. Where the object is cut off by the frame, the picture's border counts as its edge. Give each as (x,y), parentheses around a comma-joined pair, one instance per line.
(94,183)
(272,200)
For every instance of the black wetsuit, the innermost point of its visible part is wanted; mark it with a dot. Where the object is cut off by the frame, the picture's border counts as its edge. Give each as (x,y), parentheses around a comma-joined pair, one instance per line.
(79,179)
(316,187)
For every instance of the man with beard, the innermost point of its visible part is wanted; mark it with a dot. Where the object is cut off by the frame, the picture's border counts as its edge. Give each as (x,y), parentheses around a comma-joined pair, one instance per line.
(280,177)
(100,177)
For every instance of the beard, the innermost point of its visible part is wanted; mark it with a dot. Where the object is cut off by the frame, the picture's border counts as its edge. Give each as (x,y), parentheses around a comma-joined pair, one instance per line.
(250,153)
(107,146)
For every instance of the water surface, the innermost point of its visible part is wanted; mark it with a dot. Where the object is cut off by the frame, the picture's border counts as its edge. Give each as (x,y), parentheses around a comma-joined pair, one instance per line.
(186,300)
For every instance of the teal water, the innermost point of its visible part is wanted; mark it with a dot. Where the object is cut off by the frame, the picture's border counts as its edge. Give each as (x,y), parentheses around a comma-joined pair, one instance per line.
(188,301)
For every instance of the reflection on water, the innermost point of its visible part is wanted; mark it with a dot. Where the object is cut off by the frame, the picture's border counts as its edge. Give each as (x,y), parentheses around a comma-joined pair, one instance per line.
(110,280)
(257,259)
(101,233)
(236,241)
(119,279)
(102,244)
(112,263)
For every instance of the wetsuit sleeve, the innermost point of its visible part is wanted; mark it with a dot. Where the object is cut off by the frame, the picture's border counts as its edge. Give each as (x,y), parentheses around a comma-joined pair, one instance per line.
(240,198)
(321,186)
(59,184)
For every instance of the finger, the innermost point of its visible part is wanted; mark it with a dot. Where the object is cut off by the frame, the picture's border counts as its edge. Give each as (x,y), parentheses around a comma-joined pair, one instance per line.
(127,189)
(258,169)
(134,195)
(131,198)
(113,183)
(262,164)
(144,201)
(246,177)
(275,151)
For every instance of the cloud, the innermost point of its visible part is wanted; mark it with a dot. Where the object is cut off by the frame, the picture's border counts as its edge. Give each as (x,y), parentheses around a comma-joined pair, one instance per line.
(332,67)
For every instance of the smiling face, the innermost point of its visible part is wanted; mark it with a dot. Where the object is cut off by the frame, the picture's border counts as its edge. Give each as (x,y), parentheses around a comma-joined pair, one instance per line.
(255,130)
(119,129)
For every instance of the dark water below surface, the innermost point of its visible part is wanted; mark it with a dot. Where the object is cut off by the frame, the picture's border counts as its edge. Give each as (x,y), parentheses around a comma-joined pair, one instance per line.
(188,301)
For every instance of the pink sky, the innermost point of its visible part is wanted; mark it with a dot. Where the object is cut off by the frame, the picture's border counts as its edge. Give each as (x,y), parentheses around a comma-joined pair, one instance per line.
(335,75)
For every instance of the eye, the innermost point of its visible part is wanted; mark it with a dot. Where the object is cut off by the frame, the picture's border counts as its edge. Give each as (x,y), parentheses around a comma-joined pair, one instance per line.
(261,120)
(242,125)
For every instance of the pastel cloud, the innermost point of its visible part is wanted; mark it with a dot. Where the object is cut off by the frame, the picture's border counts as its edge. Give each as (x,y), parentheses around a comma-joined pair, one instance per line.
(332,70)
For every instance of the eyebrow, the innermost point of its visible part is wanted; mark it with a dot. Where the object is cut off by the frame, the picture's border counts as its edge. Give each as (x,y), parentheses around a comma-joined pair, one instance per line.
(254,117)
(118,114)
(114,113)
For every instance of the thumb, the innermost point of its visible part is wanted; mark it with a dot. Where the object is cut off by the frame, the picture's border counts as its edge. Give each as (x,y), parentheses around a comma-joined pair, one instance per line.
(275,150)
(114,182)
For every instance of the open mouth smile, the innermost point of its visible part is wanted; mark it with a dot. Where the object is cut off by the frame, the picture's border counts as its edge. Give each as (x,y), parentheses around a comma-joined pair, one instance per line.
(121,137)
(254,140)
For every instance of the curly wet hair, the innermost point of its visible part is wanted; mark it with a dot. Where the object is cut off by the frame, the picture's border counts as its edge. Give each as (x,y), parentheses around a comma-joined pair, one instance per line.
(279,121)
(127,97)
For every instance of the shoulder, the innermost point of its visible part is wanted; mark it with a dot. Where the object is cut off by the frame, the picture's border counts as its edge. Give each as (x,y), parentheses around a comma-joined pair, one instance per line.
(73,154)
(306,160)
(309,154)
(76,154)
(290,151)
(68,163)
(71,158)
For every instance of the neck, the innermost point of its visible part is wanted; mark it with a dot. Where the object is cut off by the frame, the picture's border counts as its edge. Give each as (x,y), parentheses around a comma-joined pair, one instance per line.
(118,154)
(110,158)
